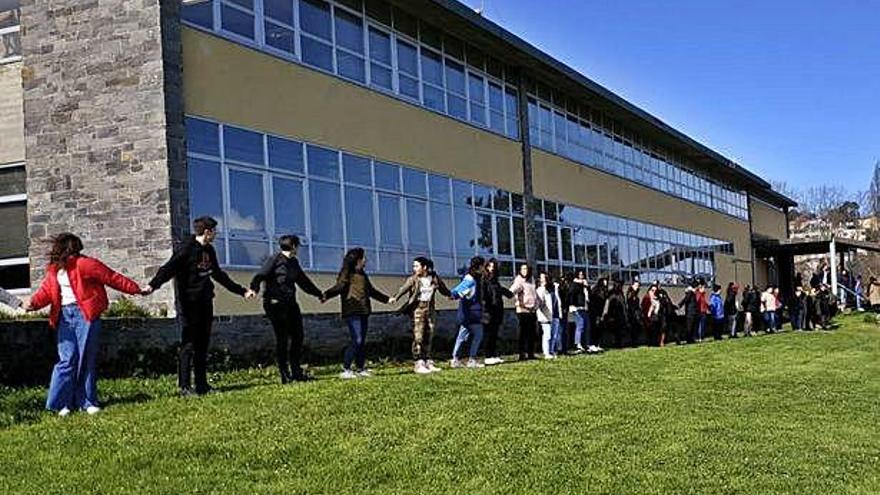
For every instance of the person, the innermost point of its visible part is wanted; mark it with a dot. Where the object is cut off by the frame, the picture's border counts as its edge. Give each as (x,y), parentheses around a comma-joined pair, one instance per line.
(469,293)
(691,313)
(193,265)
(614,313)
(716,312)
(667,314)
(493,311)
(634,320)
(281,274)
(578,305)
(561,322)
(731,311)
(859,291)
(768,307)
(780,309)
(9,299)
(812,319)
(844,286)
(822,304)
(74,290)
(703,306)
(874,294)
(546,312)
(651,313)
(420,290)
(526,303)
(355,290)
(797,309)
(596,305)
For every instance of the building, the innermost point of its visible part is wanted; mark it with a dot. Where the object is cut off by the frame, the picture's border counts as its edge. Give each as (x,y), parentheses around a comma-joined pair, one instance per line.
(409,128)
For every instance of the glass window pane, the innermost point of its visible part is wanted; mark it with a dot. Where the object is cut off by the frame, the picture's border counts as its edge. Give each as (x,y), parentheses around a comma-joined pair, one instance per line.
(456,106)
(432,70)
(482,196)
(430,35)
(205,189)
(242,145)
(387,176)
(502,230)
(405,23)
(465,243)
(414,182)
(281,10)
(380,46)
(416,227)
(433,98)
(552,242)
(247,253)
(326,213)
(246,201)
(408,86)
(314,18)
(379,10)
(407,58)
(289,206)
(326,258)
(454,77)
(441,229)
(317,53)
(356,169)
(236,21)
(280,38)
(323,162)
(285,154)
(13,180)
(565,243)
(501,200)
(380,76)
(516,203)
(439,188)
(356,5)
(349,31)
(476,88)
(350,66)
(359,217)
(390,232)
(519,237)
(392,262)
(201,14)
(462,193)
(485,239)
(202,137)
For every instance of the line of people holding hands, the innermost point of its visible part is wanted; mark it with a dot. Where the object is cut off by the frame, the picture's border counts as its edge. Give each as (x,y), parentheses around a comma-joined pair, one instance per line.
(74,289)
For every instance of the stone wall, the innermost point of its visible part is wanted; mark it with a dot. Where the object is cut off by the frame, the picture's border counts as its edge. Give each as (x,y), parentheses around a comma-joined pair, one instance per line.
(149,347)
(104,130)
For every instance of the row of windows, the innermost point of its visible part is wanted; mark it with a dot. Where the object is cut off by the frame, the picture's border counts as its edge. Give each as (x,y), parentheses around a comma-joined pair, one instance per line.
(14,268)
(374,44)
(262,186)
(10,31)
(592,138)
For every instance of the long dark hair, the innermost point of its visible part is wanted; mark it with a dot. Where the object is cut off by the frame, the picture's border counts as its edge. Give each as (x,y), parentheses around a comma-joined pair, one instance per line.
(350,261)
(493,275)
(64,247)
(476,266)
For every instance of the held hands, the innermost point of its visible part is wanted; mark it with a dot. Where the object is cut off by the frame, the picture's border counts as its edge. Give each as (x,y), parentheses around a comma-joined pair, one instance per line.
(146,290)
(392,300)
(249,294)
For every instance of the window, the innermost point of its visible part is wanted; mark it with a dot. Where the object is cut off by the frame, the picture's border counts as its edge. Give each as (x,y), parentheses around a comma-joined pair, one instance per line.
(496,108)
(387,176)
(323,162)
(417,226)
(13,221)
(407,70)
(350,46)
(414,182)
(242,146)
(432,81)
(465,241)
(285,154)
(455,86)
(202,137)
(326,213)
(205,189)
(357,169)
(314,19)
(380,59)
(390,232)
(289,206)
(477,96)
(359,217)
(201,14)
(502,229)
(246,202)
(237,17)
(278,27)
(441,229)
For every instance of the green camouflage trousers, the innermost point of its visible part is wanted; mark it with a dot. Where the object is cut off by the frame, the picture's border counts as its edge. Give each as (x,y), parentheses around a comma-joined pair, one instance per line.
(423,331)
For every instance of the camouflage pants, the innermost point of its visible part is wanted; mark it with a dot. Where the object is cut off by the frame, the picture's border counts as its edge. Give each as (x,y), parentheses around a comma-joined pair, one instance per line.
(423,332)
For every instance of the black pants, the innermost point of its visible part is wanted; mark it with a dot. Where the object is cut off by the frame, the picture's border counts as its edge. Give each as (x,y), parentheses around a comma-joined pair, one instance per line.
(287,322)
(528,327)
(195,338)
(718,326)
(490,333)
(691,322)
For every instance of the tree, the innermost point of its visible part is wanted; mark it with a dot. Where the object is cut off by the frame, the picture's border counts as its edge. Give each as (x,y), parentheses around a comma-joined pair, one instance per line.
(873,195)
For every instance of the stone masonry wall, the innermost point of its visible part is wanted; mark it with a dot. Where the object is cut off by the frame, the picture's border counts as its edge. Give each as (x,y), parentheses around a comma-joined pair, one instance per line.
(104,156)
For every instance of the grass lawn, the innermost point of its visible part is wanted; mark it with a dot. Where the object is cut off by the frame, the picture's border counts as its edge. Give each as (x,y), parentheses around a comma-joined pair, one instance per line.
(791,413)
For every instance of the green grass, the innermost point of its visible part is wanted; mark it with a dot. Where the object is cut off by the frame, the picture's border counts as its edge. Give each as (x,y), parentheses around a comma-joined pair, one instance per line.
(792,413)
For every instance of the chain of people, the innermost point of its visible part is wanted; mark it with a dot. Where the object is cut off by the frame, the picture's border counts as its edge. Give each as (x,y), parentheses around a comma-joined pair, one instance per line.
(554,316)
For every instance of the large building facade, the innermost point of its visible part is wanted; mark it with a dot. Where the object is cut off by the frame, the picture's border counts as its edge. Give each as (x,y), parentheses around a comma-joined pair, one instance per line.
(408,128)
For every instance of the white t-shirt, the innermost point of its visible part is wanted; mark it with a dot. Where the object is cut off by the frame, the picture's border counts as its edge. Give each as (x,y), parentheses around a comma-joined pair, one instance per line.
(67,295)
(426,289)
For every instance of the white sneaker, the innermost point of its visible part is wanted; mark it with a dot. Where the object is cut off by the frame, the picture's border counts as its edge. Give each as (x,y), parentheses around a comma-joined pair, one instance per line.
(347,375)
(421,368)
(493,361)
(92,410)
(431,367)
(365,373)
(64,412)
(580,349)
(474,363)
(456,363)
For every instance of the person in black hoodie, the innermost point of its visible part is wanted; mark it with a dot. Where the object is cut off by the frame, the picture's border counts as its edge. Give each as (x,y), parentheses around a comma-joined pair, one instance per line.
(691,313)
(192,266)
(634,320)
(596,306)
(730,309)
(493,310)
(751,304)
(614,313)
(281,274)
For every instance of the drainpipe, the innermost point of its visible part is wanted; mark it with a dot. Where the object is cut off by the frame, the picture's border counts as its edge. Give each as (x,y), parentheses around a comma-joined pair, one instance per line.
(528,193)
(751,235)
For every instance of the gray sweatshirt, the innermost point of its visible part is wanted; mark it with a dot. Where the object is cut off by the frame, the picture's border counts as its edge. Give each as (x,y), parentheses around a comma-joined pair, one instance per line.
(8,299)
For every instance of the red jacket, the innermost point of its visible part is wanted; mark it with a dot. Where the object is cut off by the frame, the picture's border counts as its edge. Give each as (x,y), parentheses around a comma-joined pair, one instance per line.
(702,302)
(88,277)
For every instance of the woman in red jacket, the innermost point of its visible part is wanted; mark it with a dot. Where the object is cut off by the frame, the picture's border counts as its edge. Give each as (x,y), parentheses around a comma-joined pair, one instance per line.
(74,289)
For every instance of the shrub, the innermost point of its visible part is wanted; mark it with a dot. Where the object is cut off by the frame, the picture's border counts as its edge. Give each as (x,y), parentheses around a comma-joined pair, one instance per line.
(126,308)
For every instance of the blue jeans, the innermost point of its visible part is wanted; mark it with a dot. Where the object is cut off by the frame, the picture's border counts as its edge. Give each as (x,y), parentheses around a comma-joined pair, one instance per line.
(701,327)
(770,321)
(74,383)
(581,325)
(464,333)
(357,329)
(556,336)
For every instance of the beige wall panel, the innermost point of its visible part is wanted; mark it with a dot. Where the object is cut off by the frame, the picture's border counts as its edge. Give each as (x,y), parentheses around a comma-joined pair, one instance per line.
(235,84)
(562,180)
(767,221)
(11,114)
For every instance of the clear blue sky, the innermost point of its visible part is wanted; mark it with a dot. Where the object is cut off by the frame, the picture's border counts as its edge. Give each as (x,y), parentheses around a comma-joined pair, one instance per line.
(789,89)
